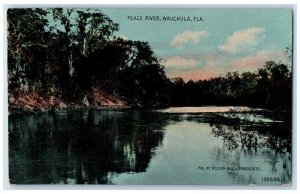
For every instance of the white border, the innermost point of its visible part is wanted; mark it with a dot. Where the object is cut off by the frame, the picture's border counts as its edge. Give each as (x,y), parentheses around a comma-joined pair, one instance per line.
(161,3)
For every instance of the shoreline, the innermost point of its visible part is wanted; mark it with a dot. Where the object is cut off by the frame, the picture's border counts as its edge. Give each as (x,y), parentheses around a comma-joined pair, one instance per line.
(33,103)
(20,111)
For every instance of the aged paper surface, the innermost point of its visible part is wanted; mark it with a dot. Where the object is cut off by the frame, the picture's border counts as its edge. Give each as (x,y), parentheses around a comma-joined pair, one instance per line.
(150,96)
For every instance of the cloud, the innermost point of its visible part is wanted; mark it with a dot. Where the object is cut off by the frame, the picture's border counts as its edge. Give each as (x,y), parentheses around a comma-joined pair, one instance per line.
(211,60)
(179,63)
(188,37)
(188,69)
(253,62)
(241,40)
(199,74)
(216,65)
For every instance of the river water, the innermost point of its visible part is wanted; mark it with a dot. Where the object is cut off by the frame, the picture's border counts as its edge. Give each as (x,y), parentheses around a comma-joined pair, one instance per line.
(182,146)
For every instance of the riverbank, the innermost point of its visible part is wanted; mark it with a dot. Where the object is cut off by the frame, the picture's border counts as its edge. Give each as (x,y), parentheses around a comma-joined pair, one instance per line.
(31,102)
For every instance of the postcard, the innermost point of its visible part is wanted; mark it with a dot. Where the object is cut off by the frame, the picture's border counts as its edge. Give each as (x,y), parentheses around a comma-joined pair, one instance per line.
(150,96)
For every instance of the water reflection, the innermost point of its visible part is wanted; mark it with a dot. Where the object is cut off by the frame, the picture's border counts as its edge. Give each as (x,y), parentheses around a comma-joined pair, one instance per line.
(144,147)
(81,147)
(248,138)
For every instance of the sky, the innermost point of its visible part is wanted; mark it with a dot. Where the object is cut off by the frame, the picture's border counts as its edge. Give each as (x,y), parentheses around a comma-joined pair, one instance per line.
(212,42)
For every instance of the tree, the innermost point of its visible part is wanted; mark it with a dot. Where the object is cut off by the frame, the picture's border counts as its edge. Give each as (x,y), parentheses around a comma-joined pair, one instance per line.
(277,81)
(143,82)
(27,46)
(248,87)
(101,68)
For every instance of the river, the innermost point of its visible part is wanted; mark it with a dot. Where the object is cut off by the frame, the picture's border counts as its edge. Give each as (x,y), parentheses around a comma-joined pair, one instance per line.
(182,146)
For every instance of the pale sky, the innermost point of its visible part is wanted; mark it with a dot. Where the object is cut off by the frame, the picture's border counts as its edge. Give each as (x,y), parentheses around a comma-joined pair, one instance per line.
(227,40)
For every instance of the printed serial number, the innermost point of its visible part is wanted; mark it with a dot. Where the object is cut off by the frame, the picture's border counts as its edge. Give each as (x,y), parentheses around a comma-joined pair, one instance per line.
(271,179)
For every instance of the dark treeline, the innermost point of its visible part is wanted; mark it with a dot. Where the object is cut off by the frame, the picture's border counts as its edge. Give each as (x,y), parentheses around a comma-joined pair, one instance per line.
(269,87)
(69,53)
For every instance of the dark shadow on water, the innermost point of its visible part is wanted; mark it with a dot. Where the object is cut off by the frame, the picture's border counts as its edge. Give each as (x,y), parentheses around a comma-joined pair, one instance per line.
(81,147)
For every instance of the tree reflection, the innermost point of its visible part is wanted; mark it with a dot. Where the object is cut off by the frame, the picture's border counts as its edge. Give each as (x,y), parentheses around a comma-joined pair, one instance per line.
(82,147)
(248,134)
